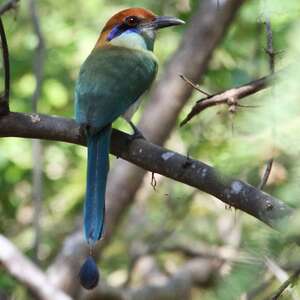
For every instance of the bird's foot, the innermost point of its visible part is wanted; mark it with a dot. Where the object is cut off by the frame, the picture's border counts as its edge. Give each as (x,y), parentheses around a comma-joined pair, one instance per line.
(137,134)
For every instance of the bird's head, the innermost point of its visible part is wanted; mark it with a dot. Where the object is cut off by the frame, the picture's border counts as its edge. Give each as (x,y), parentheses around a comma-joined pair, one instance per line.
(134,27)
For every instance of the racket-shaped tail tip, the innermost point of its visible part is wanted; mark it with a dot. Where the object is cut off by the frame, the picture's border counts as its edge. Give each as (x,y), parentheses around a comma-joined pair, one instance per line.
(89,274)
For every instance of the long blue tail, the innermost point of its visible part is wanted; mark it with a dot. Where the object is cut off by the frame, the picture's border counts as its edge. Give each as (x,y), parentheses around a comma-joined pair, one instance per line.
(97,169)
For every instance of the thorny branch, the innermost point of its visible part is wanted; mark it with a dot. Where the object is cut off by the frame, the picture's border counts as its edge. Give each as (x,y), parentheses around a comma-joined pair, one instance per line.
(239,92)
(226,97)
(194,86)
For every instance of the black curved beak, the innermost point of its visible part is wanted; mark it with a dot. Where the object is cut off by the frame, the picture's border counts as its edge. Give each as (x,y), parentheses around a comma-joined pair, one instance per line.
(163,21)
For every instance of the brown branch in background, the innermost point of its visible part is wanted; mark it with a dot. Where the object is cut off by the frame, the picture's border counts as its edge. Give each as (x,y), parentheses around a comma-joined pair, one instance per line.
(266,175)
(4,98)
(290,281)
(226,97)
(200,270)
(37,146)
(21,268)
(177,287)
(10,4)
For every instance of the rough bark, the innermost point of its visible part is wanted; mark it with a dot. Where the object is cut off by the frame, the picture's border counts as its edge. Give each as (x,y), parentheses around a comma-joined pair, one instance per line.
(156,159)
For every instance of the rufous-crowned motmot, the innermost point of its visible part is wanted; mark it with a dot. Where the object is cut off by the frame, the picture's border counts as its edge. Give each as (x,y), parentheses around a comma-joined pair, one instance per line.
(120,68)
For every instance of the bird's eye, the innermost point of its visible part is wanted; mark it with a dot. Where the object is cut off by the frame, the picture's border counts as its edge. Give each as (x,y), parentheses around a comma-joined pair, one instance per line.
(132,21)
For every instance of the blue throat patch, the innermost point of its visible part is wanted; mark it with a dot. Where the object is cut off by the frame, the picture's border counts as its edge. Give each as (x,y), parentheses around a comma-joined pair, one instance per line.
(118,30)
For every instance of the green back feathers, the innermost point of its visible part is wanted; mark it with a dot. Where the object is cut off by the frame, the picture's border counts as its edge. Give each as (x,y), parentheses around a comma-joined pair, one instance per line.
(110,80)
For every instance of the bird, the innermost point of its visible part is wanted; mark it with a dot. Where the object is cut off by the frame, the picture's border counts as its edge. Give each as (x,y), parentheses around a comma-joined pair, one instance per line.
(119,69)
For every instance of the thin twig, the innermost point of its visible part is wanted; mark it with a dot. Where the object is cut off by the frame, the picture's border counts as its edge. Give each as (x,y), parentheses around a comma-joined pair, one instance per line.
(290,281)
(10,4)
(270,48)
(4,98)
(246,106)
(37,194)
(236,93)
(37,147)
(193,85)
(39,54)
(266,175)
(271,55)
(256,56)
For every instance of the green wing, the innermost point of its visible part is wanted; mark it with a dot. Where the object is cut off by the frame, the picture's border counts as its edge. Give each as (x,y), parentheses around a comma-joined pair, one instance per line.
(110,81)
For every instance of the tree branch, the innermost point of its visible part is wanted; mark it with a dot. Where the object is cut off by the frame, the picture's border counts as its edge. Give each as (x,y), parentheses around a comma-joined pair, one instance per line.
(197,271)
(4,98)
(20,267)
(225,97)
(156,159)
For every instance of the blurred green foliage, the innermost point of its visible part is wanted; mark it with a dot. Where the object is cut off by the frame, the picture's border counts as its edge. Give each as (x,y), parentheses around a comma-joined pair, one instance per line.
(239,144)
